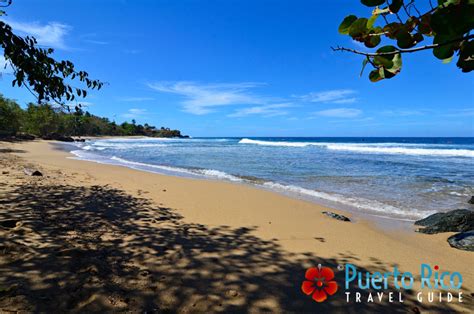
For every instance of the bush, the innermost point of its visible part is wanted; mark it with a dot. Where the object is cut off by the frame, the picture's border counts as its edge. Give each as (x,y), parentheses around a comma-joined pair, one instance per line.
(10,117)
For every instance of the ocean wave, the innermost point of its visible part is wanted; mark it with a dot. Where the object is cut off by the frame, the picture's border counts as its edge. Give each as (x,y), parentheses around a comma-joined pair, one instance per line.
(102,146)
(374,148)
(402,150)
(210,173)
(275,143)
(368,206)
(352,202)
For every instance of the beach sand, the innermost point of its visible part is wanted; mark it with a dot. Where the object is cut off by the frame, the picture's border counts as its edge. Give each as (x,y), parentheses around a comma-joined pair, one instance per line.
(94,237)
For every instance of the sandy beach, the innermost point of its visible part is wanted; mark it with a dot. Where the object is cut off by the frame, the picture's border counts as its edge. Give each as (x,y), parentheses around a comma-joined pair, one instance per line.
(93,237)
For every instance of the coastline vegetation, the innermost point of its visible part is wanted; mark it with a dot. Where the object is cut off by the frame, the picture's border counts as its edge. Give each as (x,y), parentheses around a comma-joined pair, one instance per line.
(46,121)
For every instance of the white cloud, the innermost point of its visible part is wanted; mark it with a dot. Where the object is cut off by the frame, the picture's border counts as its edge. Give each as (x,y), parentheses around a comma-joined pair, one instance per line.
(402,113)
(136,99)
(201,99)
(266,110)
(96,42)
(339,113)
(134,113)
(468,112)
(51,34)
(337,96)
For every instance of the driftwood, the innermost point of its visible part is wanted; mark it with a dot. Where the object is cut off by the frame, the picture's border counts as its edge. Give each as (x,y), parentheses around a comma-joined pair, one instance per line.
(32,172)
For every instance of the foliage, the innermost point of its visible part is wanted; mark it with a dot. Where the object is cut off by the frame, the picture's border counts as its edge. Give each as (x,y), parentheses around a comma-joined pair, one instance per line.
(10,116)
(40,119)
(45,120)
(34,68)
(448,23)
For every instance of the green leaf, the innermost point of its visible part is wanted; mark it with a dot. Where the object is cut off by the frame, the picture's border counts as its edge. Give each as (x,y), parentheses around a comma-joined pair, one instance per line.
(372,41)
(445,51)
(388,74)
(424,26)
(358,28)
(395,6)
(392,29)
(405,40)
(389,65)
(375,76)
(346,24)
(448,60)
(364,63)
(371,21)
(383,61)
(418,37)
(397,64)
(372,3)
(466,57)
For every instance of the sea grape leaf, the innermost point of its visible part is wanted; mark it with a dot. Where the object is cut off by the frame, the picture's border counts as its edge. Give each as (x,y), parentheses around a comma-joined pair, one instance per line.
(372,3)
(405,40)
(466,57)
(371,21)
(346,24)
(374,76)
(444,51)
(364,63)
(395,6)
(358,28)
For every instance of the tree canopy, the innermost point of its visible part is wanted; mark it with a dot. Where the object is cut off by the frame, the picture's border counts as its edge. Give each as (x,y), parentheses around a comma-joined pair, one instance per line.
(403,25)
(44,120)
(34,68)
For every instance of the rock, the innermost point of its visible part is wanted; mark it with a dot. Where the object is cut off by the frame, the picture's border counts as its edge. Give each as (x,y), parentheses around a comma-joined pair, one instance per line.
(462,240)
(471,201)
(24,136)
(32,172)
(58,137)
(457,220)
(79,140)
(336,216)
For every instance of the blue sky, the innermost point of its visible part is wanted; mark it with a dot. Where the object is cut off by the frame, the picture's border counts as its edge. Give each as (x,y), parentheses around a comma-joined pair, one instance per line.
(242,68)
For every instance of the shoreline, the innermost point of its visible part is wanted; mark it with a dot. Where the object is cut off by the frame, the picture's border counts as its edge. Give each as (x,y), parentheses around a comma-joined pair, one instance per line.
(295,226)
(356,207)
(379,220)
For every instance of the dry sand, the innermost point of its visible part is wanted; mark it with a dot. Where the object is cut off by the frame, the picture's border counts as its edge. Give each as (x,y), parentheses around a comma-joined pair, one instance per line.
(94,237)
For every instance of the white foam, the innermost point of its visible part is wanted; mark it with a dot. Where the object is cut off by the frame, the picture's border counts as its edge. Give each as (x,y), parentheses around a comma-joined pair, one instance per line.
(283,144)
(210,173)
(351,202)
(402,150)
(373,148)
(122,146)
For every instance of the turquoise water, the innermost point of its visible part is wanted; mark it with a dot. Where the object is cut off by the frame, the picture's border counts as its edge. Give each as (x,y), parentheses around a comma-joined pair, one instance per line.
(405,178)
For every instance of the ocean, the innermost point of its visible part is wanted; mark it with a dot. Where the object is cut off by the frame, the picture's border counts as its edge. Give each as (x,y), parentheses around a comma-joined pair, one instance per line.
(402,178)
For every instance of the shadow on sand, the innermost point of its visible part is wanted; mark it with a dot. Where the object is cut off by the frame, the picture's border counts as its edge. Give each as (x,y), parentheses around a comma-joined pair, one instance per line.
(66,248)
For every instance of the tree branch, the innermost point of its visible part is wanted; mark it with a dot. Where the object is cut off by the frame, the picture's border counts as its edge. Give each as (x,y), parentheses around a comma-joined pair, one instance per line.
(398,50)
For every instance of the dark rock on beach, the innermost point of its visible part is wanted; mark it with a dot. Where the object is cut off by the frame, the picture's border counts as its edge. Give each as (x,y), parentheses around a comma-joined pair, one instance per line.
(462,240)
(336,216)
(58,137)
(471,201)
(25,137)
(458,220)
(32,172)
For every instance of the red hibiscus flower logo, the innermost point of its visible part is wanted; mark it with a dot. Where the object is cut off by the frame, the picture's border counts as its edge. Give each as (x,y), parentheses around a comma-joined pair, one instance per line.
(319,283)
